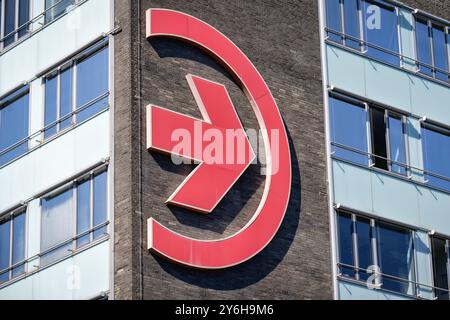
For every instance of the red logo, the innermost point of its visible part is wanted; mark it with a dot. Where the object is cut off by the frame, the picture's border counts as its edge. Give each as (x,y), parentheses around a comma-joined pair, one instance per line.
(205,187)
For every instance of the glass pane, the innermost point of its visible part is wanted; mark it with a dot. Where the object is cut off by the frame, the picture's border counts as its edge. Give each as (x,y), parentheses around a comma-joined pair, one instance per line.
(423,46)
(14,128)
(56,8)
(436,148)
(5,229)
(83,211)
(396,256)
(346,244)
(334,19)
(364,235)
(57,216)
(351,23)
(10,22)
(440,266)
(92,82)
(100,203)
(24,17)
(18,254)
(397,145)
(382,31)
(379,138)
(348,128)
(50,106)
(440,53)
(66,97)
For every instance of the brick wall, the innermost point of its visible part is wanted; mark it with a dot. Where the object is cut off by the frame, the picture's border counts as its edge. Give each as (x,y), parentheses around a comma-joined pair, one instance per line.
(282,39)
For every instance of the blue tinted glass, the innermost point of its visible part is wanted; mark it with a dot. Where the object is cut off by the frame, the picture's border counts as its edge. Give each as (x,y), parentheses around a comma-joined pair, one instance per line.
(396,257)
(440,53)
(10,20)
(348,128)
(100,203)
(440,258)
(436,149)
(56,226)
(334,19)
(24,17)
(83,211)
(50,106)
(14,128)
(397,145)
(66,97)
(346,244)
(381,30)
(364,235)
(351,22)
(18,254)
(56,8)
(4,250)
(423,46)
(92,82)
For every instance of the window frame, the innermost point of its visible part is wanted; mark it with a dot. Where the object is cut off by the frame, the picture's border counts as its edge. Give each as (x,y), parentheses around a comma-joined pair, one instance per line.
(433,270)
(363,43)
(375,251)
(9,270)
(72,64)
(428,125)
(72,187)
(17,27)
(388,112)
(5,101)
(430,24)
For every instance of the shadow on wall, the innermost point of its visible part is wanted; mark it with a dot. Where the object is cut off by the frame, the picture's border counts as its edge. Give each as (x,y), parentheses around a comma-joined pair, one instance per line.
(266,261)
(261,265)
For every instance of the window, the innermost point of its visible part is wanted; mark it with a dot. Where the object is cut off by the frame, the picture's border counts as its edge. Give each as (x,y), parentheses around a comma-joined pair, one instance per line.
(77,90)
(12,247)
(365,243)
(436,152)
(14,118)
(349,130)
(432,49)
(369,26)
(350,126)
(441,264)
(15,22)
(74,217)
(55,8)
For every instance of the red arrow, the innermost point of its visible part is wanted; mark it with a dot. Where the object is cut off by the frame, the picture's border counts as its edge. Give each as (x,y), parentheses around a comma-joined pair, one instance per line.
(218,143)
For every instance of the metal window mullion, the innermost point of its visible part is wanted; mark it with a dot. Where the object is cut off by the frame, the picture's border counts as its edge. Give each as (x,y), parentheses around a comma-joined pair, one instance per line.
(16,22)
(91,207)
(413,270)
(447,41)
(2,23)
(406,143)
(447,251)
(361,26)
(58,101)
(10,272)
(74,91)
(344,39)
(369,134)
(431,36)
(355,247)
(75,215)
(374,248)
(388,140)
(400,38)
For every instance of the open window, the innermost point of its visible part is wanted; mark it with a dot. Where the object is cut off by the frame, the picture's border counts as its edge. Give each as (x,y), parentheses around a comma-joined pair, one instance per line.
(366,134)
(441,264)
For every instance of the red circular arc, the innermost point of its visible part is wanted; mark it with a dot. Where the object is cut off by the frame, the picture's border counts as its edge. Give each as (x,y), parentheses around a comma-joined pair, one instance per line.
(260,230)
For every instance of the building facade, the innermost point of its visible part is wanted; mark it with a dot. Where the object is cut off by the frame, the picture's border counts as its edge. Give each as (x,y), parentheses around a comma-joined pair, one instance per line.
(362,87)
